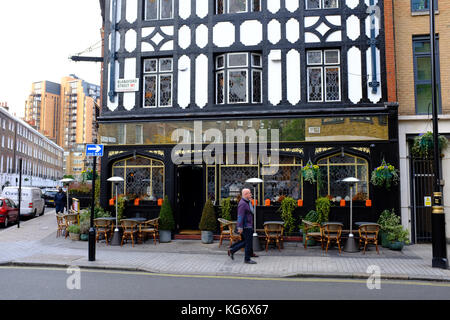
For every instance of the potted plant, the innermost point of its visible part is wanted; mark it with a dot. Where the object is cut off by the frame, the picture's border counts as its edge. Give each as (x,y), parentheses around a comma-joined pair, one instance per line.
(388,221)
(166,221)
(323,205)
(397,238)
(312,216)
(385,175)
(423,146)
(74,232)
(286,209)
(208,222)
(310,172)
(225,209)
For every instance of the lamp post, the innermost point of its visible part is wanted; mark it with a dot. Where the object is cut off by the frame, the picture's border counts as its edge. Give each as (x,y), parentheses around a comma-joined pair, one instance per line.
(256,244)
(439,246)
(68,181)
(350,245)
(115,241)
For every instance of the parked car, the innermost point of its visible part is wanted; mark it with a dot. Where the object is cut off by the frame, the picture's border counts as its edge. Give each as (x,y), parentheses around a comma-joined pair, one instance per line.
(8,212)
(32,201)
(49,197)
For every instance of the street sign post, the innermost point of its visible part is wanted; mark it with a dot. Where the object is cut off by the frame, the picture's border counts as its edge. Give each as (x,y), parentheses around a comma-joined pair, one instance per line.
(95,150)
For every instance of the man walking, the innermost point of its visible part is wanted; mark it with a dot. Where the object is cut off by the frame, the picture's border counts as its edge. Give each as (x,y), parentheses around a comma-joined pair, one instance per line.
(60,201)
(245,228)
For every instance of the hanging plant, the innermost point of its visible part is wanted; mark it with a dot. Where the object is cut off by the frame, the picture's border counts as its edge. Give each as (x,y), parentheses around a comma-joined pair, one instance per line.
(424,145)
(385,175)
(310,172)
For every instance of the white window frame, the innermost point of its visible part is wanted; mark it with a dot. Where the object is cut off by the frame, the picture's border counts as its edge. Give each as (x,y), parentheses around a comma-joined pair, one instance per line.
(324,93)
(228,7)
(321,5)
(252,83)
(158,74)
(158,11)
(324,66)
(246,85)
(307,83)
(220,71)
(237,54)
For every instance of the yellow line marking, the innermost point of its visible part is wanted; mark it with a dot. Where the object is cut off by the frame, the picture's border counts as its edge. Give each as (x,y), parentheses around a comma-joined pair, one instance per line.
(306,279)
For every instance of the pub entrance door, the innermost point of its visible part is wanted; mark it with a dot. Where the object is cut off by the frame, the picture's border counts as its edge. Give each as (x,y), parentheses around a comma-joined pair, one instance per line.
(190,195)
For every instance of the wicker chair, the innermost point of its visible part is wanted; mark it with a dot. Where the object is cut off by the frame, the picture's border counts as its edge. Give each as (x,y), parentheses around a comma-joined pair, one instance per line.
(62,226)
(104,227)
(368,234)
(69,220)
(150,227)
(274,232)
(310,235)
(332,232)
(129,230)
(225,231)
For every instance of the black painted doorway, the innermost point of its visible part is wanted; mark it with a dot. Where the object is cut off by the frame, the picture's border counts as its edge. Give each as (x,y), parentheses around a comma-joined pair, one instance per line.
(190,196)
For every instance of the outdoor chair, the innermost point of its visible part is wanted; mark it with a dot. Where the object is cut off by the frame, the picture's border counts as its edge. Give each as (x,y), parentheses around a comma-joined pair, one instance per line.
(274,232)
(311,234)
(368,234)
(225,231)
(70,219)
(103,227)
(149,227)
(332,233)
(129,230)
(62,226)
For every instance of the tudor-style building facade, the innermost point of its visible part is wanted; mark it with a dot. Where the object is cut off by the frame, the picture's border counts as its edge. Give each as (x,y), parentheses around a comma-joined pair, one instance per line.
(319,71)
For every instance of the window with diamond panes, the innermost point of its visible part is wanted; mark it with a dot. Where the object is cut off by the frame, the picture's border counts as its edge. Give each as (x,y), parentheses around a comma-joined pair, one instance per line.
(158,80)
(158,9)
(323,75)
(238,78)
(237,6)
(321,4)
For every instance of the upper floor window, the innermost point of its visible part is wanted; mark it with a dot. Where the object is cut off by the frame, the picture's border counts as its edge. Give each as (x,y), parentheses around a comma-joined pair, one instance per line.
(323,75)
(322,4)
(237,6)
(239,78)
(422,5)
(158,9)
(158,74)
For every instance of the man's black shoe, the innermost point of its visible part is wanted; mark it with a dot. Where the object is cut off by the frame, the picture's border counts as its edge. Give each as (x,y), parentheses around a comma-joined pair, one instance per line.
(231,254)
(250,261)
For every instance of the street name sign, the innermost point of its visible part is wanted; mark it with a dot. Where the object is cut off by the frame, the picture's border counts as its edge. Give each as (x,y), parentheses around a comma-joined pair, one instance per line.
(127,85)
(95,150)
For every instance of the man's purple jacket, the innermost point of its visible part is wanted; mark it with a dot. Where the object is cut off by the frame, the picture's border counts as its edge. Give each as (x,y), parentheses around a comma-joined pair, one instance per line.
(245,215)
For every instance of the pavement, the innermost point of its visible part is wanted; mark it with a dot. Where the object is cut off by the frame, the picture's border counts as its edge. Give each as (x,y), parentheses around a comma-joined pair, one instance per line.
(35,244)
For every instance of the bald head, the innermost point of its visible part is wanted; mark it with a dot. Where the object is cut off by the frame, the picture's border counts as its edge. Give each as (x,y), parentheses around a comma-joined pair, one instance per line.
(246,194)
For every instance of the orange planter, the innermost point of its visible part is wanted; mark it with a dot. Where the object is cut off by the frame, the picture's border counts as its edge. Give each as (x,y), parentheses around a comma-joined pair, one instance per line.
(160,201)
(342,203)
(368,203)
(136,201)
(300,202)
(267,202)
(111,202)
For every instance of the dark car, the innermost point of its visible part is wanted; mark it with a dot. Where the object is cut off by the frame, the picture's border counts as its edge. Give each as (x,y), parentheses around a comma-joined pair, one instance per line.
(49,197)
(8,211)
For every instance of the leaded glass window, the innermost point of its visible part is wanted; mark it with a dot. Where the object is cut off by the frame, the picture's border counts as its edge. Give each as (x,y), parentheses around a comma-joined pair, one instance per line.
(158,9)
(143,177)
(321,4)
(284,181)
(232,179)
(323,75)
(237,6)
(238,78)
(158,82)
(335,168)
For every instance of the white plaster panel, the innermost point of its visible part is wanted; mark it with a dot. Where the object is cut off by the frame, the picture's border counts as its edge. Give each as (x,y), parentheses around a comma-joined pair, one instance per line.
(167,30)
(130,40)
(132,9)
(334,20)
(310,21)
(353,28)
(129,71)
(273,6)
(201,80)
(292,30)
(373,97)
(274,31)
(311,38)
(201,36)
(117,41)
(323,28)
(274,78)
(184,81)
(201,8)
(113,105)
(157,38)
(334,37)
(184,37)
(354,74)
(167,46)
(223,34)
(293,76)
(184,9)
(251,33)
(118,13)
(292,5)
(147,31)
(129,100)
(147,47)
(352,4)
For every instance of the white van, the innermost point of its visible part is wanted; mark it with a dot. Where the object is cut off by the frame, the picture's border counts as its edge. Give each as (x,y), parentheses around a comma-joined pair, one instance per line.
(31,203)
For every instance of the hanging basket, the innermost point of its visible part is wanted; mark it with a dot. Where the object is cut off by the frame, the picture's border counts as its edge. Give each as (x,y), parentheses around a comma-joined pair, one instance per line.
(424,145)
(310,172)
(385,175)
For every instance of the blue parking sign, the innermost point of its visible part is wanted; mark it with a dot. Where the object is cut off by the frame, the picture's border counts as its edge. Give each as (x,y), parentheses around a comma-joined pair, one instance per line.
(95,150)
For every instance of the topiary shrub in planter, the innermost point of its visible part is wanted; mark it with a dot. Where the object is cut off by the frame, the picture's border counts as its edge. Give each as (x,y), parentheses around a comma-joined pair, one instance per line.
(166,221)
(286,209)
(323,206)
(312,216)
(208,222)
(74,232)
(388,221)
(225,209)
(397,238)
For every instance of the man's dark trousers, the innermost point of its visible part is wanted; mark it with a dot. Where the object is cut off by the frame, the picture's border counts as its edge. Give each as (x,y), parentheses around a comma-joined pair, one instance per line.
(247,242)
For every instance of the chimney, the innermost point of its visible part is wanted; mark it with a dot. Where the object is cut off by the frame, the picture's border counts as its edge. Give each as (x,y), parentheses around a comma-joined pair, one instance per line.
(4,105)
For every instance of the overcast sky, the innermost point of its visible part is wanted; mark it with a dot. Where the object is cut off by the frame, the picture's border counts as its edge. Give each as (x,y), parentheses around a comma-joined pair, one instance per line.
(36,39)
